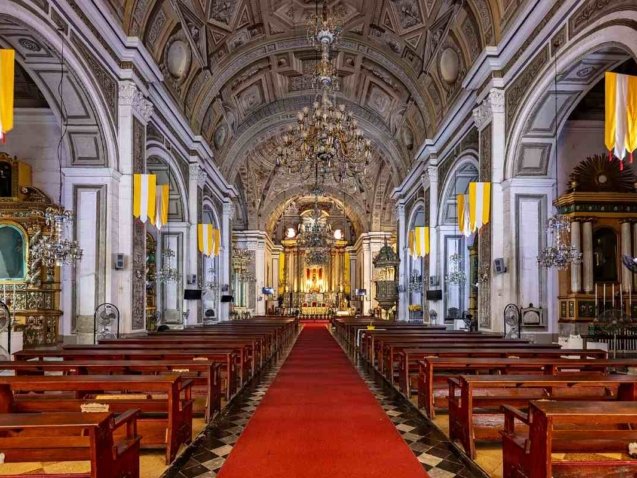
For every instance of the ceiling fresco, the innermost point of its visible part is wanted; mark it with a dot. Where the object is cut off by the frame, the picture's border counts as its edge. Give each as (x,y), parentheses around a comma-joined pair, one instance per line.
(241,69)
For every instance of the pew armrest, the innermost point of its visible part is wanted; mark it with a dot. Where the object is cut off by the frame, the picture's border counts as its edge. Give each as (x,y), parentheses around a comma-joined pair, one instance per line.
(184,384)
(129,416)
(510,415)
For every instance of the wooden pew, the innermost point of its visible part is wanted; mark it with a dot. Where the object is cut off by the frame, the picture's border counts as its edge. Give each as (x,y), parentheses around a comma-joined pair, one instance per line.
(389,349)
(163,422)
(246,365)
(204,374)
(408,358)
(228,358)
(54,436)
(475,401)
(579,427)
(433,372)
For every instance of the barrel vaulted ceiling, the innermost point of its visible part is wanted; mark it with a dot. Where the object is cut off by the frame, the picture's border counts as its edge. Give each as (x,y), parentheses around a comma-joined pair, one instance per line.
(240,69)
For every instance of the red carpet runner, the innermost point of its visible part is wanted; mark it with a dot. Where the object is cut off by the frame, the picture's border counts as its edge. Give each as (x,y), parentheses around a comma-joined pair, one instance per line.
(319,419)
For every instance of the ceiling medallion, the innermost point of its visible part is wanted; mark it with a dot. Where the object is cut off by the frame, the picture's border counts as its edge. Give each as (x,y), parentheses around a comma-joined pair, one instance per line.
(326,142)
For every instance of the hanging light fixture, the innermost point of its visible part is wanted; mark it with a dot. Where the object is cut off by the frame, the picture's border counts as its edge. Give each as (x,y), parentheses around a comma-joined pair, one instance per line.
(559,253)
(54,249)
(326,140)
(316,237)
(168,271)
(456,274)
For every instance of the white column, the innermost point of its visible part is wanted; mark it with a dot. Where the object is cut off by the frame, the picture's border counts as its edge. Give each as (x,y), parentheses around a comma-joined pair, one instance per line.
(435,249)
(225,258)
(191,251)
(259,268)
(587,245)
(403,251)
(626,250)
(576,269)
(131,105)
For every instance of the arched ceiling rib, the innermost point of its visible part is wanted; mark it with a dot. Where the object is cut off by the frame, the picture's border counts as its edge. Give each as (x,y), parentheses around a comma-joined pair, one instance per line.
(241,68)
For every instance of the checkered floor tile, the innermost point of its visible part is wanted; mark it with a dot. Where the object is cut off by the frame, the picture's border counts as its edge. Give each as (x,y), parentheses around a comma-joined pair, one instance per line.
(431,447)
(208,452)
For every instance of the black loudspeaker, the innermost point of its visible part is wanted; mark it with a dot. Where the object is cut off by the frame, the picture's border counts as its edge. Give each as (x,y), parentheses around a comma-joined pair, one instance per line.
(498,266)
(435,294)
(192,294)
(226,298)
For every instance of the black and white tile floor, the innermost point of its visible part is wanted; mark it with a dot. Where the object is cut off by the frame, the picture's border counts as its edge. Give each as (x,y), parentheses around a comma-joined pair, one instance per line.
(431,447)
(207,454)
(209,451)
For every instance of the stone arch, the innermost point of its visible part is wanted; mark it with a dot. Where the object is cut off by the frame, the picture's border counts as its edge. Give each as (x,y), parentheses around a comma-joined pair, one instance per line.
(464,170)
(532,131)
(91,105)
(161,161)
(412,219)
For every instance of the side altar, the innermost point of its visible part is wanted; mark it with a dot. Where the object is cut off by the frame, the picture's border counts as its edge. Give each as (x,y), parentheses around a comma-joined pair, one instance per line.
(29,286)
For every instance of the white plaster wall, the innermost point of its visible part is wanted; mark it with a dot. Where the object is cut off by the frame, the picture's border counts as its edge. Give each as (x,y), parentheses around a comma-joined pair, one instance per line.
(34,140)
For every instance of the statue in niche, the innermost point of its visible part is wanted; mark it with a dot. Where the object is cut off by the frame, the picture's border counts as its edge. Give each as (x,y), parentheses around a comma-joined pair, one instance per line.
(605,255)
(11,253)
(5,180)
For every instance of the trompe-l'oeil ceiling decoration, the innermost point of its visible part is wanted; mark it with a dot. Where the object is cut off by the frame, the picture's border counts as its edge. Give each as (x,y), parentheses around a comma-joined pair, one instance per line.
(241,69)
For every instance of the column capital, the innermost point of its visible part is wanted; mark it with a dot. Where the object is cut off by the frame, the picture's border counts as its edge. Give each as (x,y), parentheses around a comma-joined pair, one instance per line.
(198,173)
(432,173)
(228,209)
(496,100)
(130,95)
(400,208)
(482,115)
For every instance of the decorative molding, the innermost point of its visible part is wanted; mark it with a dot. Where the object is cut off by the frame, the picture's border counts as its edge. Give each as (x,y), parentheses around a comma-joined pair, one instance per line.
(482,115)
(496,100)
(228,209)
(485,154)
(138,292)
(130,95)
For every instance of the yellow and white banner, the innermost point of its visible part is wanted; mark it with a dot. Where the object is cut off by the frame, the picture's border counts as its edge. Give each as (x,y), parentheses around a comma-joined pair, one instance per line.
(420,241)
(479,205)
(620,125)
(463,214)
(161,206)
(7,81)
(144,196)
(209,239)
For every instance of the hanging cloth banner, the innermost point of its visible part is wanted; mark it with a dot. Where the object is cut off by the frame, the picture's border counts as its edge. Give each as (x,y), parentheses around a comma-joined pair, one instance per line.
(161,206)
(411,241)
(421,237)
(205,238)
(144,196)
(463,214)
(7,80)
(479,205)
(620,125)
(216,240)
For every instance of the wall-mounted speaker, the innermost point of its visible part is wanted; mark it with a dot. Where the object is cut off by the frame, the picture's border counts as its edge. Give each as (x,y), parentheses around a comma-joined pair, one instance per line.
(498,266)
(118,261)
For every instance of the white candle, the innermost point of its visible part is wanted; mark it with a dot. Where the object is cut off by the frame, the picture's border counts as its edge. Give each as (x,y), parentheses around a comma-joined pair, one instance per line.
(13,299)
(604,297)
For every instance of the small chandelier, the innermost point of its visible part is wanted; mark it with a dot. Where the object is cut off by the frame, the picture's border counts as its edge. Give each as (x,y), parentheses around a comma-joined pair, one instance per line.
(456,274)
(559,254)
(53,249)
(168,273)
(315,236)
(327,141)
(415,281)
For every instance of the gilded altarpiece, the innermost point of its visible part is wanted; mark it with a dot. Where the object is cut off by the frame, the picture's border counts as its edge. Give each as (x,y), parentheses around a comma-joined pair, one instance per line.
(30,288)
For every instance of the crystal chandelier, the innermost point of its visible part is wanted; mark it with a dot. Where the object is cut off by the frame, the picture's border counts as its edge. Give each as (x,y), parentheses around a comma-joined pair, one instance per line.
(415,281)
(559,253)
(53,249)
(456,274)
(315,236)
(168,273)
(326,141)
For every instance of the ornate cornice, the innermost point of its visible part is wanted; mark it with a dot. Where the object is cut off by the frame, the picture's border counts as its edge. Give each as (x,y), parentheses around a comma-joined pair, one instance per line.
(130,95)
